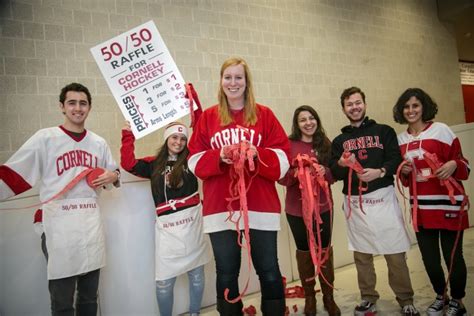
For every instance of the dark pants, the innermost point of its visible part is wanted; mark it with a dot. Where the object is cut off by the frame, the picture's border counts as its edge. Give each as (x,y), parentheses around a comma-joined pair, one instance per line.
(227,254)
(62,292)
(298,229)
(428,242)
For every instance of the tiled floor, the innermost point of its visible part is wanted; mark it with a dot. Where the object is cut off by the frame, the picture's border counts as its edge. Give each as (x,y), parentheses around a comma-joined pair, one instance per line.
(347,295)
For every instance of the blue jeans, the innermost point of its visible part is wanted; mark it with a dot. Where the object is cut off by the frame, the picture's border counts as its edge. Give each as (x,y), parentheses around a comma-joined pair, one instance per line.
(227,254)
(165,293)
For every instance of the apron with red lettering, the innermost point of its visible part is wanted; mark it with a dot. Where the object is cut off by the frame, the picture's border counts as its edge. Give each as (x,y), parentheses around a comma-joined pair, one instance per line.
(74,237)
(381,230)
(180,243)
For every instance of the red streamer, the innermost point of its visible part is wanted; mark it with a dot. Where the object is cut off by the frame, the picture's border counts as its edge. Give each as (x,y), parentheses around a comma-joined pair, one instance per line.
(353,165)
(414,213)
(192,96)
(239,154)
(311,182)
(90,175)
(250,310)
(450,183)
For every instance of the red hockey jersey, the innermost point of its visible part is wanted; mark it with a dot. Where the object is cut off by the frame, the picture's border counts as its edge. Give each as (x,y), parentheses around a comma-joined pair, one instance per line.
(204,161)
(435,208)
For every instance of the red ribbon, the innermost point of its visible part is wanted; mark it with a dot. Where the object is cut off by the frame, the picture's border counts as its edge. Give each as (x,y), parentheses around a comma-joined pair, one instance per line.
(250,310)
(192,96)
(414,214)
(190,200)
(311,182)
(239,154)
(90,175)
(450,183)
(353,165)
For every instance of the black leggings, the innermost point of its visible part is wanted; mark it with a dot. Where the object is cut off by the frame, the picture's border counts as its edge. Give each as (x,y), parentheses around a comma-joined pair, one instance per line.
(428,242)
(227,254)
(298,229)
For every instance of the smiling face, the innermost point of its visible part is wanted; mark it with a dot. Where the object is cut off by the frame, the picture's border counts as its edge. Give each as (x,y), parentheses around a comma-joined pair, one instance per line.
(413,111)
(354,108)
(176,143)
(307,124)
(75,108)
(233,84)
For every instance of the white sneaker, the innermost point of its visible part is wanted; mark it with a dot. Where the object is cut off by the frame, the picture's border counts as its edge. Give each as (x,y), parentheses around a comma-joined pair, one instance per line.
(410,310)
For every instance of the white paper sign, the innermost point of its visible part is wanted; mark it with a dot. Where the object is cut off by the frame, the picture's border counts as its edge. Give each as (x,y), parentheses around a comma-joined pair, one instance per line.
(143,78)
(467,73)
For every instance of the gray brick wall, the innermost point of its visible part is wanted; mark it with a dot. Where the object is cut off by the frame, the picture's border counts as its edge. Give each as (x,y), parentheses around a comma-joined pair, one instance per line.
(299,51)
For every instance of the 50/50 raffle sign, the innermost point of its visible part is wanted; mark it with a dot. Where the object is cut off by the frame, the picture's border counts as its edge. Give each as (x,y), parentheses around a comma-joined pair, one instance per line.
(143,78)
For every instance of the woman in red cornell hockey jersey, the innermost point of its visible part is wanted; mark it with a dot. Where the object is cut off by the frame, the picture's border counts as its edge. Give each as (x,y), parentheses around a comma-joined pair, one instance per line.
(238,118)
(438,219)
(309,138)
(180,245)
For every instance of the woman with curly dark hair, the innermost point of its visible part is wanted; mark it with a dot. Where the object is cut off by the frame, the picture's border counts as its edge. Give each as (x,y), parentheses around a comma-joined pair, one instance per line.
(308,137)
(438,219)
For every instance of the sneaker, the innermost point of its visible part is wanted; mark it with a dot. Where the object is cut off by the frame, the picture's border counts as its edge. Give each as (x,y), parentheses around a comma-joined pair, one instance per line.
(410,310)
(455,309)
(437,307)
(365,308)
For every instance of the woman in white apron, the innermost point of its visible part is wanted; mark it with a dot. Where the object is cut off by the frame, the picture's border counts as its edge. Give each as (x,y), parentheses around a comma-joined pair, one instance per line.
(180,245)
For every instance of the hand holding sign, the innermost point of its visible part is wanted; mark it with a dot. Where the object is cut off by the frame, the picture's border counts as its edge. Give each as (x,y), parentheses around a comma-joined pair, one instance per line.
(143,78)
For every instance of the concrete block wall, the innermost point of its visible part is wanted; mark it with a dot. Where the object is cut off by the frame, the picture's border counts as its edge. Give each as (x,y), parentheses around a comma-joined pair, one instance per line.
(300,52)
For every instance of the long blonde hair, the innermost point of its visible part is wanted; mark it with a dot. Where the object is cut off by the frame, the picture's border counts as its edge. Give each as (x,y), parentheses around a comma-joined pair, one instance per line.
(250,106)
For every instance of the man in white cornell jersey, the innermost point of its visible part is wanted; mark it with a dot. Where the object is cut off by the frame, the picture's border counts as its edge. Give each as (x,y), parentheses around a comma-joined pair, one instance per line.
(73,240)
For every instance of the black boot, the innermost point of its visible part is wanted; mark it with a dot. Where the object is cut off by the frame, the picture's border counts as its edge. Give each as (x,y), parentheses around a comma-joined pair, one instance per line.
(273,307)
(229,309)
(306,271)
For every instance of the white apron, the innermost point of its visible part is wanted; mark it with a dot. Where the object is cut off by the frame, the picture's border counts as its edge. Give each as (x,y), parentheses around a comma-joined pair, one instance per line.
(180,243)
(382,229)
(74,237)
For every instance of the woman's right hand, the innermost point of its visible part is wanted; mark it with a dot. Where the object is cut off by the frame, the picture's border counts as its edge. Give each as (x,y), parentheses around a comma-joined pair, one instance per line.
(407,169)
(127,127)
(342,162)
(223,157)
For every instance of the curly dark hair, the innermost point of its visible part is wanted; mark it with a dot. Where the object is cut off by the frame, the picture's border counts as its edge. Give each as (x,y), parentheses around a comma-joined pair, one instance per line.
(321,142)
(430,108)
(350,91)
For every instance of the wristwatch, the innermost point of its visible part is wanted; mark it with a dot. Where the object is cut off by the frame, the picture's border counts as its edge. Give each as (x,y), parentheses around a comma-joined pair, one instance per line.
(118,174)
(382,173)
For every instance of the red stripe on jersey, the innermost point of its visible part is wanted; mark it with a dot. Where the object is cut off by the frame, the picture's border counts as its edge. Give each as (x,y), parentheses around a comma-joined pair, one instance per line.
(38,218)
(75,137)
(16,183)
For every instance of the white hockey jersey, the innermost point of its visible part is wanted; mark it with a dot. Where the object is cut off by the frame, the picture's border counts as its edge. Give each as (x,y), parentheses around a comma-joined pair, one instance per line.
(52,157)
